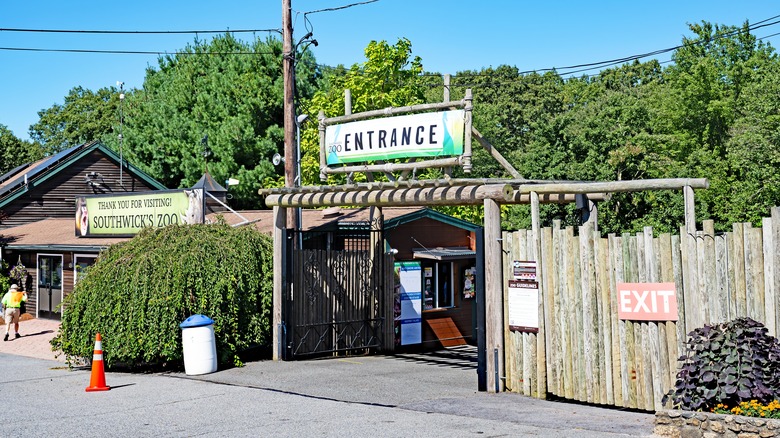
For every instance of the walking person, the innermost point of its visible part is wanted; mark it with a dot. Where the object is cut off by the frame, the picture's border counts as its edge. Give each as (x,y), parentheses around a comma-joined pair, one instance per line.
(12,301)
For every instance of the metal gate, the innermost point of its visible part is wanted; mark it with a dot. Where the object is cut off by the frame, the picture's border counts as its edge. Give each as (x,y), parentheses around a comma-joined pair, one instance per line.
(339,297)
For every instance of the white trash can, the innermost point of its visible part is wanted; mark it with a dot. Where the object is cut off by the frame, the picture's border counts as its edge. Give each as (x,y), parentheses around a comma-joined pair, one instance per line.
(200,349)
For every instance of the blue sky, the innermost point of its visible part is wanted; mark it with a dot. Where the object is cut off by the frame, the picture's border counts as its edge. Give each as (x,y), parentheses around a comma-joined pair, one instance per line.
(449,35)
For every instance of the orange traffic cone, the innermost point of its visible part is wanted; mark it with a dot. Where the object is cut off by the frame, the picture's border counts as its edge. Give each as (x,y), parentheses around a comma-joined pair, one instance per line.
(97,382)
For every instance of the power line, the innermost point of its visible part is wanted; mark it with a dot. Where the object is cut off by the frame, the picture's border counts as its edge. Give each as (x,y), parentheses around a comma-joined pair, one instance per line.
(337,8)
(128,52)
(136,32)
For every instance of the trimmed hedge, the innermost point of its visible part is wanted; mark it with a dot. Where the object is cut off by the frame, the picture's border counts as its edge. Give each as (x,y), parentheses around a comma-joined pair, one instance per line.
(138,292)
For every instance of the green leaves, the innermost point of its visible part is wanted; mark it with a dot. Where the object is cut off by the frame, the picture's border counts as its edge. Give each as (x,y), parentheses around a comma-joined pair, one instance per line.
(138,292)
(227,89)
(15,152)
(726,364)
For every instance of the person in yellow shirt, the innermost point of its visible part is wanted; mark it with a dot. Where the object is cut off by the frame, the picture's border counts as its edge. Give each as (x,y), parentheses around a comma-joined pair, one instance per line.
(12,301)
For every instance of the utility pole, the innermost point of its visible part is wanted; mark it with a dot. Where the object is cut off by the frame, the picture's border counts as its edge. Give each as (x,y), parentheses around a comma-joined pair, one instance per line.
(288,72)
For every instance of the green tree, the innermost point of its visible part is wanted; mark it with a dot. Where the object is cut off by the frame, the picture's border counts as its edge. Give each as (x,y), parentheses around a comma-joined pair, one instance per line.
(226,89)
(84,116)
(15,152)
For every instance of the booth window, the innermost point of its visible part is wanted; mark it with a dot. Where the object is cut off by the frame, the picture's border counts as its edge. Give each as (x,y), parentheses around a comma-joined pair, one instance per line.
(438,284)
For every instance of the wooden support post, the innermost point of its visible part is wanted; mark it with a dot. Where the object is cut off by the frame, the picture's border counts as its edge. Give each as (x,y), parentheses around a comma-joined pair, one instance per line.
(323,162)
(495,154)
(494,292)
(280,254)
(691,276)
(536,245)
(466,157)
(775,251)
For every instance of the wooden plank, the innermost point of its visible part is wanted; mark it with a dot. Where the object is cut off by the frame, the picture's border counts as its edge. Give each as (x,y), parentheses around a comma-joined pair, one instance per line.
(635,394)
(775,251)
(517,363)
(528,373)
(577,336)
(588,341)
(754,264)
(656,330)
(529,340)
(731,276)
(617,340)
(703,299)
(549,309)
(636,261)
(521,378)
(541,336)
(708,267)
(666,272)
(494,332)
(566,311)
(739,269)
(510,352)
(678,267)
(721,278)
(770,297)
(685,280)
(559,344)
(645,351)
(604,311)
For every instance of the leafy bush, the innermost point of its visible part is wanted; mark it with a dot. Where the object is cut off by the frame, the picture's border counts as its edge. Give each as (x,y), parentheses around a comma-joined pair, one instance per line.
(726,364)
(138,292)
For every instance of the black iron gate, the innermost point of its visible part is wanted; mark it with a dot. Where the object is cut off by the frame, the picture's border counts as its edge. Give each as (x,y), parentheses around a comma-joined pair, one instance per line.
(339,297)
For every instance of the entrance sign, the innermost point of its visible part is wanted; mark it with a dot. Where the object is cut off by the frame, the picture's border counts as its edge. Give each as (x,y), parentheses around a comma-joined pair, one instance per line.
(408,316)
(523,306)
(437,134)
(127,215)
(647,301)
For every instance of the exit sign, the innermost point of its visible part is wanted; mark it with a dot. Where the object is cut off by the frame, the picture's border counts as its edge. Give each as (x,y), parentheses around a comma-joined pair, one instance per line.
(647,301)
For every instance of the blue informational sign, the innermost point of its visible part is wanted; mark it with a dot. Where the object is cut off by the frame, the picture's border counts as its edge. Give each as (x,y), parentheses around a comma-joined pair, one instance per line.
(408,303)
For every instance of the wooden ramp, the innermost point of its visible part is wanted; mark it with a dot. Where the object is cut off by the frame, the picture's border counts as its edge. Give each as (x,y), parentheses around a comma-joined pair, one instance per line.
(446,331)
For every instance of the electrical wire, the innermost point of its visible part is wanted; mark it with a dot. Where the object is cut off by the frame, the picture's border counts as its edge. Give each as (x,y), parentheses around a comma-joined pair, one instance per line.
(566,70)
(129,52)
(338,8)
(136,32)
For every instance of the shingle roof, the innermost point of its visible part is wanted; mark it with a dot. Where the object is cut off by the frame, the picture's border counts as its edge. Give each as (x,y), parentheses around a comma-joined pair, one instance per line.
(59,234)
(53,234)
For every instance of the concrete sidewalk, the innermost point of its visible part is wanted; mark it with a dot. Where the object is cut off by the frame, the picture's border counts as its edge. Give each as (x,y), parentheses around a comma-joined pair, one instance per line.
(36,334)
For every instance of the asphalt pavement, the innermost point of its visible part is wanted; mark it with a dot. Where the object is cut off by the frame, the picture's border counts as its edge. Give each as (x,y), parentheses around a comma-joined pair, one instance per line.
(421,395)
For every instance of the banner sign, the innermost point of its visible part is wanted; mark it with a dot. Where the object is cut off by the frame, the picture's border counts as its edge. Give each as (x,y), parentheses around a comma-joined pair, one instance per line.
(419,135)
(127,215)
(523,301)
(647,301)
(408,303)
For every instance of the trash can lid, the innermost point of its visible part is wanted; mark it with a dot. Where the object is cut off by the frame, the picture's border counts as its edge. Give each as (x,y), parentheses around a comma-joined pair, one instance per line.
(196,321)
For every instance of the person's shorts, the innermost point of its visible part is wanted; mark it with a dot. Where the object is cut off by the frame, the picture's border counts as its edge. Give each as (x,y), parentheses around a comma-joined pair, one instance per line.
(11,315)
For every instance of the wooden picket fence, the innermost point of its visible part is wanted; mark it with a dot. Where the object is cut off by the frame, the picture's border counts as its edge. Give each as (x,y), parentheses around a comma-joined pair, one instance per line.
(584,352)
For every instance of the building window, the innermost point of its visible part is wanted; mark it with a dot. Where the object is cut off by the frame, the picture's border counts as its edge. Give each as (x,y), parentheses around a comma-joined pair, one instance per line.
(437,285)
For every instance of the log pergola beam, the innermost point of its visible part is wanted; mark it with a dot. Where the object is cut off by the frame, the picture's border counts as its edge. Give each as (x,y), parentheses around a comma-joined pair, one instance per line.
(458,192)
